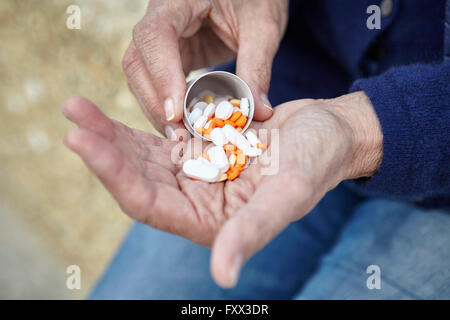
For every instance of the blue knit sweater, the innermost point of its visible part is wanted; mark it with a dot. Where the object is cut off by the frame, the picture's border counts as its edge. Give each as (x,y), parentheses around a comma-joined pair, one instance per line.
(404,68)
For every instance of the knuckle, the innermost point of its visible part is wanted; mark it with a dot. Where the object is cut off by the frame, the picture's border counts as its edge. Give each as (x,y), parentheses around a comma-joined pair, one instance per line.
(272,30)
(139,30)
(145,30)
(131,62)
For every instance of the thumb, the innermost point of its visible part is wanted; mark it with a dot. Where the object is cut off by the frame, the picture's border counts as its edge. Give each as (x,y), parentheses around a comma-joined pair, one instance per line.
(257,49)
(267,213)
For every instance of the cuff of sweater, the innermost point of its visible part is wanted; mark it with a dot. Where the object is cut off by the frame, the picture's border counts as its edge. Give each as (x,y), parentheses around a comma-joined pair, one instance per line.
(398,142)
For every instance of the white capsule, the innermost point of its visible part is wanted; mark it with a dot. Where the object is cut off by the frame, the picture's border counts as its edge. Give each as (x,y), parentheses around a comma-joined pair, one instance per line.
(218,157)
(207,124)
(201,170)
(200,123)
(245,107)
(223,177)
(200,105)
(209,110)
(218,137)
(230,133)
(241,142)
(224,110)
(252,138)
(195,114)
(232,159)
(252,152)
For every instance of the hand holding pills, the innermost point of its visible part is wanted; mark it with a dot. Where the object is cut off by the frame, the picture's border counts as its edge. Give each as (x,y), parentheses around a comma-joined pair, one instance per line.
(221,119)
(177,36)
(321,143)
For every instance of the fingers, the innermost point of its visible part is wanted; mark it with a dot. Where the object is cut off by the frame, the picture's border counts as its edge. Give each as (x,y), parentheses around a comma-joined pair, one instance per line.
(150,202)
(156,38)
(257,47)
(147,147)
(140,84)
(267,213)
(158,47)
(87,115)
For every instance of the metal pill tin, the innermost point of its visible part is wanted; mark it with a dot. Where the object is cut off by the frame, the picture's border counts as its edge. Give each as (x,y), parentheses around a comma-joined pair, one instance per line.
(221,83)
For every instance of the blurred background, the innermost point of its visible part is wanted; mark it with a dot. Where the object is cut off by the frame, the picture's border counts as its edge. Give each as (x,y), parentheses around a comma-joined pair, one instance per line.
(53,211)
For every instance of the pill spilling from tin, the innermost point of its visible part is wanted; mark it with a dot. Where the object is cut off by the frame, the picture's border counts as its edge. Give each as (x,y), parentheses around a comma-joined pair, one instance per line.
(221,120)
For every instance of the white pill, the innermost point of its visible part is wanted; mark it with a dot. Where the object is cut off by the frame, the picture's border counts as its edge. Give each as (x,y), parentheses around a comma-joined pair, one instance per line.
(241,142)
(252,152)
(201,159)
(245,107)
(207,124)
(209,110)
(236,109)
(230,133)
(201,170)
(200,105)
(218,137)
(218,100)
(224,110)
(195,114)
(201,121)
(218,157)
(223,177)
(252,138)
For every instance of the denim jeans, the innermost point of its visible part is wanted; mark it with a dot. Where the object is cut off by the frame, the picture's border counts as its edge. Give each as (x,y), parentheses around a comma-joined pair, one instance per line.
(325,255)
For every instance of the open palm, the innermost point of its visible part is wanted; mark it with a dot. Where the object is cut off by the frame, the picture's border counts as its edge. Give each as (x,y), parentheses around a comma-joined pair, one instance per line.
(242,215)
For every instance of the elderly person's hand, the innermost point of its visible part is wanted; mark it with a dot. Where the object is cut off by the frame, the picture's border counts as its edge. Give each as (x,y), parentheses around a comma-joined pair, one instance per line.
(321,143)
(177,36)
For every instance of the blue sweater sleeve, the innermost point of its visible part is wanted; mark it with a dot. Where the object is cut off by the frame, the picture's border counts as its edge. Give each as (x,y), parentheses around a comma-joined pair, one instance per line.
(413,107)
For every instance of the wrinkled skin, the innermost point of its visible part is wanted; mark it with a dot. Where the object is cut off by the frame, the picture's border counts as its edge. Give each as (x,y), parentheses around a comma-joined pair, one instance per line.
(177,36)
(234,218)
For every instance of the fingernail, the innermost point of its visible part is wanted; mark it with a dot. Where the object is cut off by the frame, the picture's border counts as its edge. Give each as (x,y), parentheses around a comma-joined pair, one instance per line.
(64,112)
(169,109)
(266,101)
(170,133)
(235,269)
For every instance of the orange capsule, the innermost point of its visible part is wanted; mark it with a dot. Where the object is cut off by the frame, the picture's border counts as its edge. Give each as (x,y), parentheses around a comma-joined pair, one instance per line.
(218,122)
(241,121)
(230,147)
(233,173)
(208,99)
(261,145)
(235,116)
(200,130)
(235,102)
(231,123)
(241,159)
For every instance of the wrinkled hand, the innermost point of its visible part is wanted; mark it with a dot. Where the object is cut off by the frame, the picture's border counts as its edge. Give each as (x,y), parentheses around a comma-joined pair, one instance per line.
(321,143)
(177,36)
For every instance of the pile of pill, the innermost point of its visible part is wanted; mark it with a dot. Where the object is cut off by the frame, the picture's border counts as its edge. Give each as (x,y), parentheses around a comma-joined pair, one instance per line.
(221,120)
